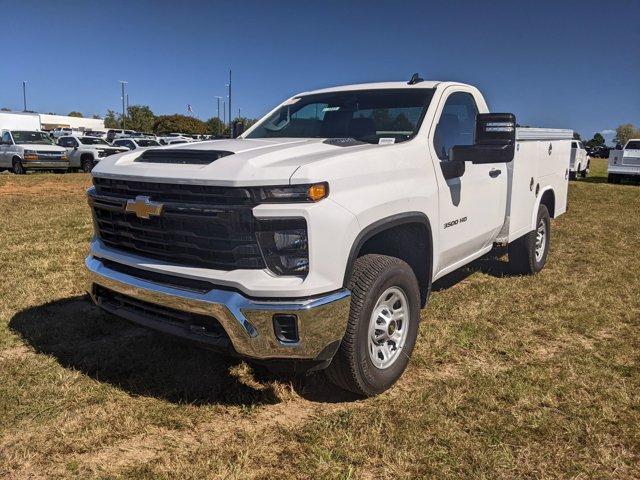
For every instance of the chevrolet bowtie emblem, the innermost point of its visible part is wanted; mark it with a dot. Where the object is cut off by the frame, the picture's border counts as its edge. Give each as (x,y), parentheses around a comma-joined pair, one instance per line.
(143,207)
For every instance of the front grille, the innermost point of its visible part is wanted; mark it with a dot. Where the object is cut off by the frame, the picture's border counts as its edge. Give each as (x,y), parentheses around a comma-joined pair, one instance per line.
(127,306)
(167,192)
(199,226)
(44,155)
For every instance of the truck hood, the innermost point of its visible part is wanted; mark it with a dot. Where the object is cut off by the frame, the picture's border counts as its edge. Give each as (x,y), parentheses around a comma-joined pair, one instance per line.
(252,162)
(42,148)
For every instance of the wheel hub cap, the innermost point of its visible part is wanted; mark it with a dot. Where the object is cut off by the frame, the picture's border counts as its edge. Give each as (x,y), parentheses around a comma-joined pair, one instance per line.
(388,327)
(541,240)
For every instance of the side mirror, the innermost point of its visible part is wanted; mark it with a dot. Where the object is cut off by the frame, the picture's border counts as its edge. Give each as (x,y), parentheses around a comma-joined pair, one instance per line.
(495,140)
(452,169)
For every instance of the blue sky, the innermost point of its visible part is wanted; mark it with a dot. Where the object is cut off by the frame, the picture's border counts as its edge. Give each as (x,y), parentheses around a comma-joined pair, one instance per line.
(569,64)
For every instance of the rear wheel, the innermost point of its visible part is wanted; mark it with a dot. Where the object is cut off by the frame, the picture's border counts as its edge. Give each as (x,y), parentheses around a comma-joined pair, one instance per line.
(528,254)
(382,327)
(613,178)
(572,175)
(18,168)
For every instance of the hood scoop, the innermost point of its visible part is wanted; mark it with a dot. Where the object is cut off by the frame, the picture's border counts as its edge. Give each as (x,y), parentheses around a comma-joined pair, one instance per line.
(182,156)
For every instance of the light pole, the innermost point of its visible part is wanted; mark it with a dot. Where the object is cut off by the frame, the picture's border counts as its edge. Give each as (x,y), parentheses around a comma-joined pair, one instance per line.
(24,94)
(224,112)
(123,83)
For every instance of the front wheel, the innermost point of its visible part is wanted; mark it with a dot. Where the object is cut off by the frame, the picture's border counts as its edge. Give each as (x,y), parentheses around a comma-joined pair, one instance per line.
(382,327)
(18,168)
(87,165)
(528,254)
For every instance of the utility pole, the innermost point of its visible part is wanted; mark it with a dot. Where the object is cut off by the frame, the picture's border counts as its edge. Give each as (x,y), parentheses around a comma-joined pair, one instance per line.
(24,94)
(122,83)
(218,98)
(230,98)
(239,116)
(224,112)
(127,103)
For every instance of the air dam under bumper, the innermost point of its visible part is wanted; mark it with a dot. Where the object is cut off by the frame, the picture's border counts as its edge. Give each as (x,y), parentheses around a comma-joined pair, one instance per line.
(248,323)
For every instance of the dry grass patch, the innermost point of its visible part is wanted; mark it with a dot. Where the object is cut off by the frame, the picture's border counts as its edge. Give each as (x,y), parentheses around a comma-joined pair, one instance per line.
(512,377)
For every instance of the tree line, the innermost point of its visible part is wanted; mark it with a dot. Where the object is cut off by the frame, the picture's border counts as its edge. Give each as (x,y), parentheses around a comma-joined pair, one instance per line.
(142,119)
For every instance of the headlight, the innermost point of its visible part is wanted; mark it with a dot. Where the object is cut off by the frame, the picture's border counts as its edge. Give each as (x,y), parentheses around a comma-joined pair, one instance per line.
(292,193)
(64,156)
(30,155)
(284,246)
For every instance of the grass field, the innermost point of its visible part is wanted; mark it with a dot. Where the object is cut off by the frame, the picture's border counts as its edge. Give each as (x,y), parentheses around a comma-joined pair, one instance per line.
(512,377)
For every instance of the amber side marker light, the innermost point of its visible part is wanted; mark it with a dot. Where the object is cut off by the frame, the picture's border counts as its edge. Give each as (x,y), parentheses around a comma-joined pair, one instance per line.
(318,191)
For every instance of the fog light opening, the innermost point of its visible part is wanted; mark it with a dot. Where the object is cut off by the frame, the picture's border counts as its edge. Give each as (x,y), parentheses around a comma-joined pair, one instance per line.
(285,328)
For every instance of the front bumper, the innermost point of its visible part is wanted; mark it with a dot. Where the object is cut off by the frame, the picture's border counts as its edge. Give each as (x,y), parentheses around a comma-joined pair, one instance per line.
(248,323)
(57,164)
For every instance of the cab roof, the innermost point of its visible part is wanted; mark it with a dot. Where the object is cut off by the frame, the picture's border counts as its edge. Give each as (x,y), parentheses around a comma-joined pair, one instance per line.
(382,85)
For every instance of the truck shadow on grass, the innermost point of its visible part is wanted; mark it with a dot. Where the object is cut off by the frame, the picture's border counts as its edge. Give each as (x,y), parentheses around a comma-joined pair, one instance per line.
(141,362)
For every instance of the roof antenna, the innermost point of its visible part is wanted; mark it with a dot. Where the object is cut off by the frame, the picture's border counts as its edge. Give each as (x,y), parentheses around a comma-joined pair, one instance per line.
(415,78)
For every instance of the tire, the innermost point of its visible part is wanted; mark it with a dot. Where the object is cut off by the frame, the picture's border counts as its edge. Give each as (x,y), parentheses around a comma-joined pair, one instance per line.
(572,175)
(18,168)
(87,165)
(585,172)
(528,254)
(613,178)
(375,281)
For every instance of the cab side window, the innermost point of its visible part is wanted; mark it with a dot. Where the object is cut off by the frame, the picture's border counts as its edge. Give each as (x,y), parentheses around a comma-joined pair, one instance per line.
(457,124)
(6,138)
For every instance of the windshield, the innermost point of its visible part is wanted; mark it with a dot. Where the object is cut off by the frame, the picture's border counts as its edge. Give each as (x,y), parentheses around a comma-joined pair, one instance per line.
(32,138)
(633,145)
(92,141)
(367,115)
(147,143)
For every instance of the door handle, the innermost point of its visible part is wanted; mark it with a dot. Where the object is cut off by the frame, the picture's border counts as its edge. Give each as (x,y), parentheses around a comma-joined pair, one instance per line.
(494,173)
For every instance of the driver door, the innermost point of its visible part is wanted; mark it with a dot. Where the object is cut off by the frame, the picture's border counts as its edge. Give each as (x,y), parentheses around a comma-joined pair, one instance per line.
(5,158)
(471,206)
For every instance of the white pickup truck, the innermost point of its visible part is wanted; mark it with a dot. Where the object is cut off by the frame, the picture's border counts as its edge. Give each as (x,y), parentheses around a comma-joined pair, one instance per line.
(580,162)
(85,152)
(23,150)
(625,163)
(312,240)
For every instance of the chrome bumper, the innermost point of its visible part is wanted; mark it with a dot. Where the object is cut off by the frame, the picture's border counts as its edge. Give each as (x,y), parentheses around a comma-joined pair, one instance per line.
(248,322)
(45,164)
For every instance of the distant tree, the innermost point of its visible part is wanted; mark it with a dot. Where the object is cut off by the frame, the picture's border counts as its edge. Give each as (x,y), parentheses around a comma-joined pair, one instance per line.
(214,126)
(180,124)
(111,120)
(75,114)
(96,117)
(625,132)
(576,136)
(140,118)
(596,141)
(5,109)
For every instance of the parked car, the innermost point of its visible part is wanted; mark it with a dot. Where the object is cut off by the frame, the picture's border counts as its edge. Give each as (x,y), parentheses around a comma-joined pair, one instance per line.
(311,242)
(85,152)
(598,151)
(134,143)
(625,162)
(172,138)
(23,150)
(63,131)
(579,162)
(114,133)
